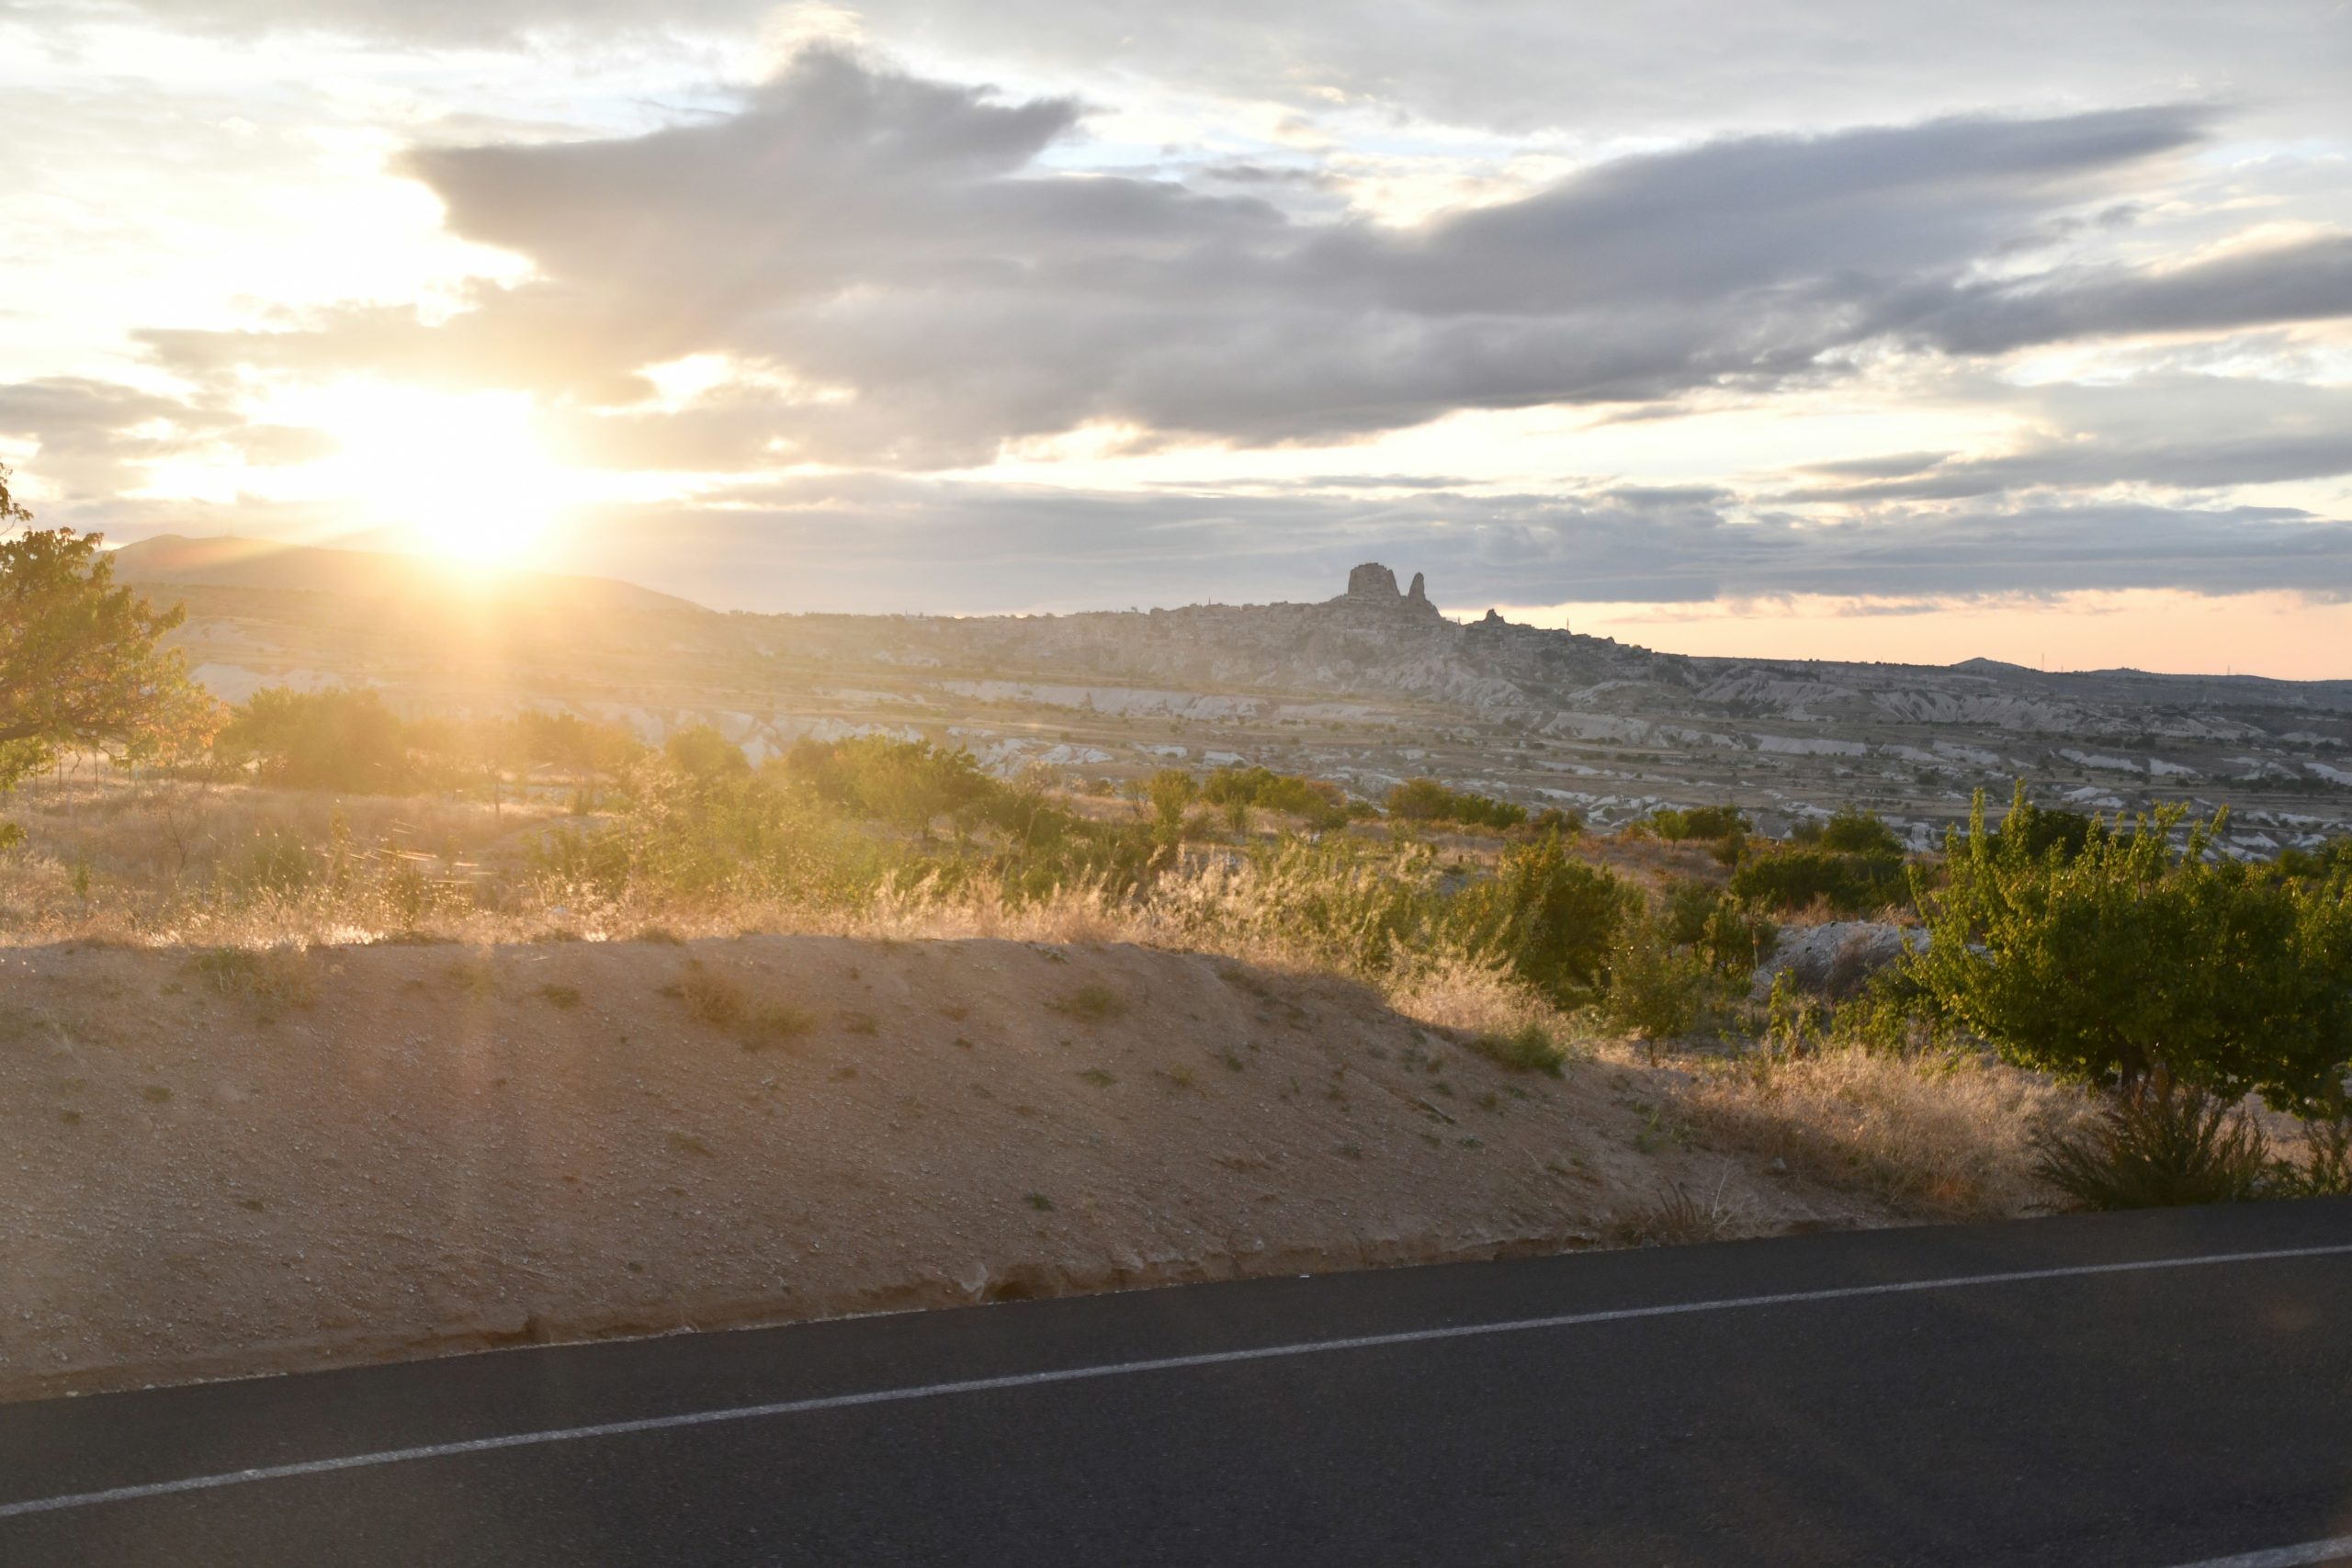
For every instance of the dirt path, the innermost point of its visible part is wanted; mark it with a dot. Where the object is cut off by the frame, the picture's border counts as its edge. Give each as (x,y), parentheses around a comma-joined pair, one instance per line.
(380,1152)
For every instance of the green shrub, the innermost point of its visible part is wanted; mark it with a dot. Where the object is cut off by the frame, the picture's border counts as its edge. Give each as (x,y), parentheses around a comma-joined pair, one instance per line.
(1699,822)
(1427,800)
(700,752)
(1657,990)
(1323,805)
(1795,878)
(1171,791)
(1850,830)
(2137,959)
(2042,831)
(338,739)
(906,782)
(1550,917)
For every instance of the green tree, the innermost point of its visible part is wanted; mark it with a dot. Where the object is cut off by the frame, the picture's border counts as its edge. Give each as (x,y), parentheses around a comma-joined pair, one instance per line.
(703,754)
(2133,962)
(339,738)
(1171,790)
(1419,800)
(82,664)
(1552,918)
(1851,831)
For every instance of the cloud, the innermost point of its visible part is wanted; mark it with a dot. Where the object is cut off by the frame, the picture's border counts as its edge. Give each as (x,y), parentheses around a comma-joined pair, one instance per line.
(2173,431)
(904,544)
(1610,68)
(2302,282)
(93,438)
(2192,465)
(908,279)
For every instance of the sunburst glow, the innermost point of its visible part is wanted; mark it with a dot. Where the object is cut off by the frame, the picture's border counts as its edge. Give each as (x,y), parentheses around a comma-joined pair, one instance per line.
(460,475)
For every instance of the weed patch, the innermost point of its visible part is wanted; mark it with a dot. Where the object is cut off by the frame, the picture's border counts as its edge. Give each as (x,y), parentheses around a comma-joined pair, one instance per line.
(719,1001)
(1527,1049)
(1092,1002)
(274,978)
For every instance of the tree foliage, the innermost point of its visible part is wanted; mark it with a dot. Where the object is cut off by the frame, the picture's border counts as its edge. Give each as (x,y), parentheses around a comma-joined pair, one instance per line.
(340,739)
(1428,800)
(82,664)
(2135,960)
(1320,802)
(1550,915)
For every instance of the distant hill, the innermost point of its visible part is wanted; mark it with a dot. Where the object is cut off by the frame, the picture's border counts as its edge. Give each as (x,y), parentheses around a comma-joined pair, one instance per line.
(224,562)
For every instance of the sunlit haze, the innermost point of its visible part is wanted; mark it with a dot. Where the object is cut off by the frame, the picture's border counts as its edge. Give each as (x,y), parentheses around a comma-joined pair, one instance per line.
(2019,333)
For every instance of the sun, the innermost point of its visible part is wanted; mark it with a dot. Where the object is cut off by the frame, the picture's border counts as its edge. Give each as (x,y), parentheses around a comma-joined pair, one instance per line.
(461,475)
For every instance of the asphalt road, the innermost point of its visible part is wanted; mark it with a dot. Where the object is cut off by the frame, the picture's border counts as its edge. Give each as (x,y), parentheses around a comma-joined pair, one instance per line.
(2128,1390)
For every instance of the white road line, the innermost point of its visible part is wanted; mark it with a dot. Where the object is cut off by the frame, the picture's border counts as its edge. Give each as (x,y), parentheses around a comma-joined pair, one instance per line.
(2304,1556)
(1121,1369)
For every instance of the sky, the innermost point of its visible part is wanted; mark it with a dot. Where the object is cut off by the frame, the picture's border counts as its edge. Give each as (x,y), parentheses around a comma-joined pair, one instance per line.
(1855,329)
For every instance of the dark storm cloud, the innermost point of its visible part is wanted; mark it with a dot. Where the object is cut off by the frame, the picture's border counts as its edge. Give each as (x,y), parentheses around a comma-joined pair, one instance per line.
(893,253)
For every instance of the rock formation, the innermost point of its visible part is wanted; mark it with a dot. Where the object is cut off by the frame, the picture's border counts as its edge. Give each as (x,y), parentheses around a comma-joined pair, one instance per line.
(1373,586)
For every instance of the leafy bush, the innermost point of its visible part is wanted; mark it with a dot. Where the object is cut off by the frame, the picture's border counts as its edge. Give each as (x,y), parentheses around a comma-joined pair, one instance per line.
(1850,830)
(906,782)
(1550,917)
(1657,989)
(1171,790)
(1322,803)
(1427,800)
(701,753)
(2135,960)
(337,740)
(1697,822)
(2333,858)
(1794,878)
(2041,830)
(1734,937)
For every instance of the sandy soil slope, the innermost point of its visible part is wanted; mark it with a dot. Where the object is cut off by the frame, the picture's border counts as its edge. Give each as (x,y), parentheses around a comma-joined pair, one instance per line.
(389,1151)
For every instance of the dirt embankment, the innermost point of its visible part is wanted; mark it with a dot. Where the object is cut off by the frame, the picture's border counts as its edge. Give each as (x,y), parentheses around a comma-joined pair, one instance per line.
(218,1167)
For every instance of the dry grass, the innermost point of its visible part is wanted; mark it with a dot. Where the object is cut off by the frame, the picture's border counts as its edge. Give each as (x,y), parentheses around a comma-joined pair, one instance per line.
(1946,1136)
(1093,1002)
(275,979)
(157,862)
(1678,1217)
(722,1002)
